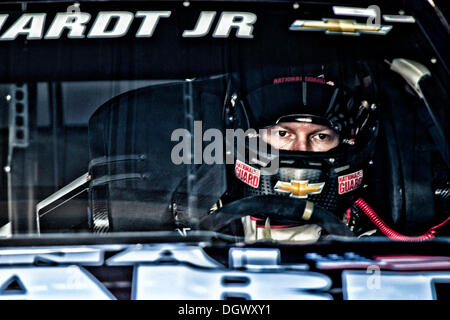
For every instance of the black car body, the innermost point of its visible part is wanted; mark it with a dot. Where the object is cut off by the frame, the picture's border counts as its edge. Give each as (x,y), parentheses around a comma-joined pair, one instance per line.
(86,214)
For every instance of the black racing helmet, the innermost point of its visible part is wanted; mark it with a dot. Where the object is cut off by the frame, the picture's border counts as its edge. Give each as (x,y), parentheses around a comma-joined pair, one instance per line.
(329,179)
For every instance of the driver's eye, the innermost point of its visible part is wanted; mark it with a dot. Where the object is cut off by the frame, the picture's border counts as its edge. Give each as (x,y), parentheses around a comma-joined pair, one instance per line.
(322,136)
(282,133)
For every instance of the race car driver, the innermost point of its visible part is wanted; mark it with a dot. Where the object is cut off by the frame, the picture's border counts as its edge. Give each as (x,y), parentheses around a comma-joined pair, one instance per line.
(293,136)
(324,128)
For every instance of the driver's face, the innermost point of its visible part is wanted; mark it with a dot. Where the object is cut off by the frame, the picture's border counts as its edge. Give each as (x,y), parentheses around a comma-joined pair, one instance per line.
(301,136)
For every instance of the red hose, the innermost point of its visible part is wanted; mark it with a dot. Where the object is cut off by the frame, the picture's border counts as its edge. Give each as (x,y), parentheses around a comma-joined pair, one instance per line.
(430,234)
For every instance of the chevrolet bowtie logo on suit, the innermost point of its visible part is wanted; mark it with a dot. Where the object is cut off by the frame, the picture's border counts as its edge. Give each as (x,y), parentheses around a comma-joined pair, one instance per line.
(299,189)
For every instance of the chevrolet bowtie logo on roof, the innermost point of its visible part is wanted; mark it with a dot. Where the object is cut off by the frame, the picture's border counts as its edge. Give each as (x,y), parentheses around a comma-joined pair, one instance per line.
(299,189)
(339,26)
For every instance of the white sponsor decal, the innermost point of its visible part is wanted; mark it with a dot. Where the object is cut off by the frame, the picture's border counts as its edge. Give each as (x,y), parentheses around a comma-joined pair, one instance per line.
(114,24)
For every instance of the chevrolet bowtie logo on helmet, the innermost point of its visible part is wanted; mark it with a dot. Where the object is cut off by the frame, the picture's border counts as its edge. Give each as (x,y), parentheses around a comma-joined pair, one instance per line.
(299,189)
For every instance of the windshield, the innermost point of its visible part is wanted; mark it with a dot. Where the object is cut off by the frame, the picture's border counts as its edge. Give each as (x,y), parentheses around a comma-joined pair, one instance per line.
(257,121)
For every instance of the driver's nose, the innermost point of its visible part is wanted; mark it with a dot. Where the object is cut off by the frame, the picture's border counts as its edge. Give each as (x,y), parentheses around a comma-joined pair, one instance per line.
(301,144)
